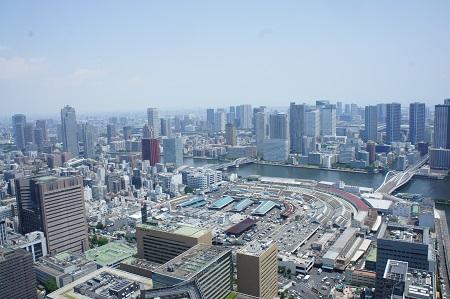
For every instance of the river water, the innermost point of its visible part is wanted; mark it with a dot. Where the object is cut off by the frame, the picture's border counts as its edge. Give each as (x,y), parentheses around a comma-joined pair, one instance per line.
(427,187)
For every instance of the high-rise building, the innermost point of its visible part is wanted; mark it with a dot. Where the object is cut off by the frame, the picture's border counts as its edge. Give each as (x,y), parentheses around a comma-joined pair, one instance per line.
(69,130)
(411,244)
(210,119)
(151,150)
(29,133)
(17,278)
(163,242)
(370,147)
(42,124)
(279,126)
(55,206)
(154,122)
(393,122)
(296,126)
(231,134)
(260,131)
(312,123)
(371,126)
(220,120)
(328,120)
(127,131)
(88,140)
(166,129)
(244,116)
(381,113)
(173,150)
(110,132)
(257,270)
(442,126)
(416,122)
(19,122)
(394,279)
(339,110)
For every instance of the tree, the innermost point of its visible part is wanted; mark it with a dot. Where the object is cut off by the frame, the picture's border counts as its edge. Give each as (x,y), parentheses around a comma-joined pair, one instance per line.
(50,286)
(188,189)
(99,226)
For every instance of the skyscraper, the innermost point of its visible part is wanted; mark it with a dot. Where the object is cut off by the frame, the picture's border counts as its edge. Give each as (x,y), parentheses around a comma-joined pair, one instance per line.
(210,119)
(231,134)
(88,140)
(296,126)
(393,121)
(312,123)
(244,116)
(151,150)
(328,120)
(220,120)
(260,131)
(55,206)
(42,124)
(371,127)
(165,127)
(416,122)
(19,122)
(17,277)
(442,126)
(154,122)
(278,124)
(69,130)
(173,151)
(110,132)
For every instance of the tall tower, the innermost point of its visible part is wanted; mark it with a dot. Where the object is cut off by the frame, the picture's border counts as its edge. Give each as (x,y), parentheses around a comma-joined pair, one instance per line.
(173,151)
(279,126)
(154,122)
(328,120)
(210,118)
(260,130)
(393,121)
(55,206)
(19,121)
(371,126)
(296,126)
(69,130)
(230,134)
(416,122)
(442,126)
(88,140)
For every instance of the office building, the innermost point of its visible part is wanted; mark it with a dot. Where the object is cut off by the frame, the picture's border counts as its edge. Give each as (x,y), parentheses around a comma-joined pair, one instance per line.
(173,150)
(29,133)
(166,128)
(440,158)
(312,123)
(257,270)
(279,126)
(160,243)
(416,122)
(209,267)
(260,131)
(151,151)
(276,150)
(411,244)
(244,116)
(230,135)
(371,124)
(55,206)
(110,132)
(220,120)
(17,278)
(370,147)
(328,120)
(154,122)
(42,125)
(381,113)
(442,126)
(18,123)
(69,130)
(296,126)
(393,122)
(34,242)
(127,131)
(88,140)
(394,279)
(210,118)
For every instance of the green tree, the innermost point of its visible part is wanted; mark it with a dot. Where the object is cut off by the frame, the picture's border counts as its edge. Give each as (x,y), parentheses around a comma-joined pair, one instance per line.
(50,286)
(188,189)
(99,226)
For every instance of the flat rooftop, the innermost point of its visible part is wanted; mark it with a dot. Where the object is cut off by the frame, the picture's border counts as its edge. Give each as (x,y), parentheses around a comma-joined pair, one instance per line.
(222,203)
(404,233)
(256,248)
(176,228)
(188,264)
(110,253)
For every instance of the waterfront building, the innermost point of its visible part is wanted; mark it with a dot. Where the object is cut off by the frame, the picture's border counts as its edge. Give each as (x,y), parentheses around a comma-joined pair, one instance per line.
(230,134)
(416,122)
(442,126)
(260,131)
(328,120)
(55,206)
(257,270)
(160,243)
(371,124)
(154,122)
(173,151)
(296,126)
(279,126)
(276,150)
(393,122)
(69,129)
(17,278)
(312,123)
(244,116)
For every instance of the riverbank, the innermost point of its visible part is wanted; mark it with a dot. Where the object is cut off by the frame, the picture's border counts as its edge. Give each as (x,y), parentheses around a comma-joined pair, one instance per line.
(314,167)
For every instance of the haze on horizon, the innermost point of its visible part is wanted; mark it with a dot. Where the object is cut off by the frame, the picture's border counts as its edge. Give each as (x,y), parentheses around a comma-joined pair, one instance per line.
(126,56)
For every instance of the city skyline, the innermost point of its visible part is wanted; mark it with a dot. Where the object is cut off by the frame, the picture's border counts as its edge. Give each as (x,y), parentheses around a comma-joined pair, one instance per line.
(159,56)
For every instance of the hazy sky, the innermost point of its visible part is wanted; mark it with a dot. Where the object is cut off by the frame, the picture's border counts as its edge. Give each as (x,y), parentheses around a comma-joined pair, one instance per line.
(128,55)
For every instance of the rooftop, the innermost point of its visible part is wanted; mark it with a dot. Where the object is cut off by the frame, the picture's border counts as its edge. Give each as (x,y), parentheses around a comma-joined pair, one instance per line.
(191,262)
(110,253)
(176,228)
(256,248)
(404,233)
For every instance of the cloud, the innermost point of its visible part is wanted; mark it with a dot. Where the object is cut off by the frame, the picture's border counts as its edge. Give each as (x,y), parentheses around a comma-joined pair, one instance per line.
(19,67)
(86,75)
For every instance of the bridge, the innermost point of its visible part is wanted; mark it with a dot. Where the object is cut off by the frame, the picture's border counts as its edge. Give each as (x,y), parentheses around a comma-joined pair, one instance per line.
(235,163)
(395,179)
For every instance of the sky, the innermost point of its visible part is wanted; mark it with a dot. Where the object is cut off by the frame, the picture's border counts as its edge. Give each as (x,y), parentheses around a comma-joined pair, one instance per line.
(101,56)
